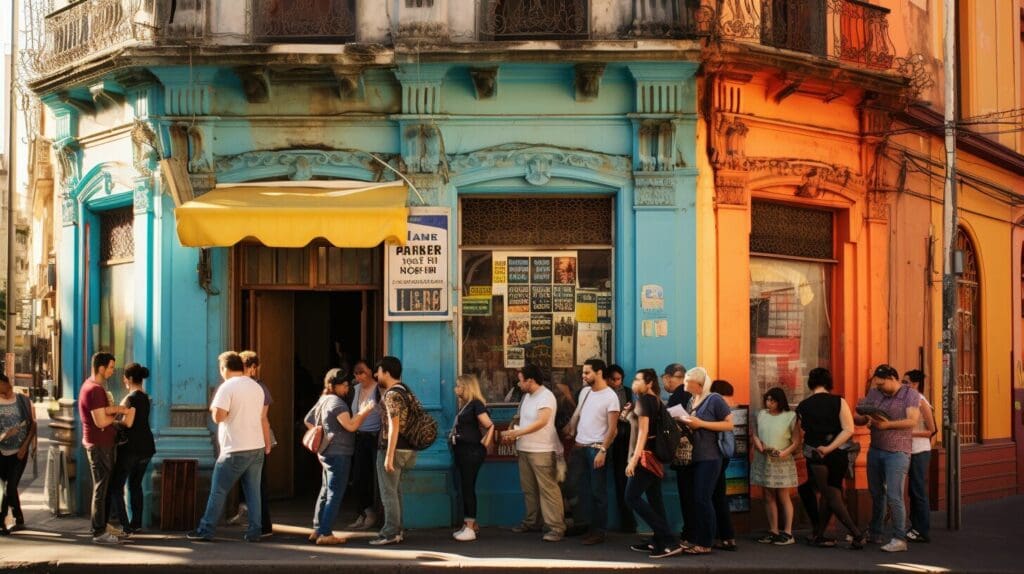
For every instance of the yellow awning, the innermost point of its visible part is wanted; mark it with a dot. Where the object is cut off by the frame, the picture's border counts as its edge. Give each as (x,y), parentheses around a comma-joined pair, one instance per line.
(291,214)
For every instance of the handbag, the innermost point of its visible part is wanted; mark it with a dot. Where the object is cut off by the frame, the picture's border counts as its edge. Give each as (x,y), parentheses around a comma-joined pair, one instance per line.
(316,438)
(652,464)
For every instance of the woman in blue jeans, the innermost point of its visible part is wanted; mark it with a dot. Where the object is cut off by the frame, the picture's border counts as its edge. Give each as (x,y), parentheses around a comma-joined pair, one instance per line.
(709,415)
(340,426)
(645,471)
(920,457)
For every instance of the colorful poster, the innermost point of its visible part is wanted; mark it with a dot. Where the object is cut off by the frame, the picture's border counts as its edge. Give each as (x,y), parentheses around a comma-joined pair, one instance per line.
(540,270)
(563,326)
(540,326)
(498,272)
(417,272)
(479,290)
(517,330)
(604,307)
(519,270)
(476,306)
(586,307)
(565,270)
(540,298)
(652,298)
(518,299)
(563,298)
(515,357)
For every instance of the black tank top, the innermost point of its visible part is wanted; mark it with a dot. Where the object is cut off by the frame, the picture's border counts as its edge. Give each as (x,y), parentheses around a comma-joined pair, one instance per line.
(819,418)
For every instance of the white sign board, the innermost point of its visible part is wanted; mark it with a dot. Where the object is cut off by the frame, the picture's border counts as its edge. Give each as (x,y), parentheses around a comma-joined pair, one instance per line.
(417,272)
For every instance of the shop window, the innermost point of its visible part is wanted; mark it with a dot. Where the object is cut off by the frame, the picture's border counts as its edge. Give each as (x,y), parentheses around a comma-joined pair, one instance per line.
(791,270)
(117,288)
(968,373)
(550,306)
(314,266)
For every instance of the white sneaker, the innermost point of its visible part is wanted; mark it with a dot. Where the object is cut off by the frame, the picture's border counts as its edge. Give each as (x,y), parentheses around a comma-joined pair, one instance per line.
(357,525)
(895,545)
(242,517)
(106,538)
(115,531)
(370,520)
(465,535)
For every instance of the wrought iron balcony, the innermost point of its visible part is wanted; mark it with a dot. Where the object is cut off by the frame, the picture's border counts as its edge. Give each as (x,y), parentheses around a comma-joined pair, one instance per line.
(671,19)
(535,19)
(846,30)
(332,21)
(89,28)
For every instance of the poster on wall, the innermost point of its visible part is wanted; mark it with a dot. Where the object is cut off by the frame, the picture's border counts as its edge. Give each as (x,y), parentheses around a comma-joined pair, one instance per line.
(535,285)
(416,274)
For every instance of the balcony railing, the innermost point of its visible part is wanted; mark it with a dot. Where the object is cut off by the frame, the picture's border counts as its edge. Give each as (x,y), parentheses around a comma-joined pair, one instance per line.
(535,19)
(671,19)
(332,21)
(90,27)
(846,30)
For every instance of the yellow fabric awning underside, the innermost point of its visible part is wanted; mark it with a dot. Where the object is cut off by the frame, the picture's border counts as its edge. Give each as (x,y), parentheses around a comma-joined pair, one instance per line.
(291,214)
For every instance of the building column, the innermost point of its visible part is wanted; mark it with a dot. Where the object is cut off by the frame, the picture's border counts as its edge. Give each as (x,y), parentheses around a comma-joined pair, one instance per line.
(732,237)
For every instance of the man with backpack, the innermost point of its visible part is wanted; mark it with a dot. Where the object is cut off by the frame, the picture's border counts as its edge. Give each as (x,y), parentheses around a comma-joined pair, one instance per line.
(405,428)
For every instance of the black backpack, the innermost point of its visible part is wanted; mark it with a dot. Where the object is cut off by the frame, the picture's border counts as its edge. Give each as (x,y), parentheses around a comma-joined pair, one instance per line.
(666,439)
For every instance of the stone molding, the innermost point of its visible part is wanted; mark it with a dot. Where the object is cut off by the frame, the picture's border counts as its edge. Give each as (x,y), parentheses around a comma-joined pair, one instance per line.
(654,189)
(297,165)
(537,161)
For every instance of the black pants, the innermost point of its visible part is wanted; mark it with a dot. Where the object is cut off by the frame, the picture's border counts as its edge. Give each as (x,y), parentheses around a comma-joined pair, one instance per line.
(265,524)
(11,470)
(620,457)
(687,506)
(723,516)
(652,510)
(468,460)
(101,466)
(129,469)
(364,472)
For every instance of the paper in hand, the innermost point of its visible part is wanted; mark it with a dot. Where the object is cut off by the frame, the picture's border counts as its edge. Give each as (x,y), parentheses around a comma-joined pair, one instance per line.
(679,413)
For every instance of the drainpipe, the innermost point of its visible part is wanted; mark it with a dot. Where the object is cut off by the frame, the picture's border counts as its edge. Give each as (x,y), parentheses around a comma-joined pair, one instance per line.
(951,264)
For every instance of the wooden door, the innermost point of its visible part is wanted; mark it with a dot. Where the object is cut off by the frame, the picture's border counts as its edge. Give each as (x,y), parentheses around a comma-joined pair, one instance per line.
(274,336)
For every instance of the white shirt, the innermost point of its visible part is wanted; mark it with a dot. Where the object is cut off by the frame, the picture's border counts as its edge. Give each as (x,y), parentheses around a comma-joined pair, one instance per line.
(242,398)
(921,444)
(545,439)
(593,425)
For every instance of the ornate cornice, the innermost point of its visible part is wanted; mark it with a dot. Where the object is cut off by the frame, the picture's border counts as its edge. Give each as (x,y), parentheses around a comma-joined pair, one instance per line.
(811,171)
(142,196)
(878,206)
(144,148)
(537,161)
(297,165)
(731,188)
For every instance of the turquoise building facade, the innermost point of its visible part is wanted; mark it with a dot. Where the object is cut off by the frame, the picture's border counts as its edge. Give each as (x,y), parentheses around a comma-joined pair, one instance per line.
(521,121)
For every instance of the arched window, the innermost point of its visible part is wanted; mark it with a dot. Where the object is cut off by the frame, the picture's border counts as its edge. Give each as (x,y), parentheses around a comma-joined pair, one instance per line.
(968,343)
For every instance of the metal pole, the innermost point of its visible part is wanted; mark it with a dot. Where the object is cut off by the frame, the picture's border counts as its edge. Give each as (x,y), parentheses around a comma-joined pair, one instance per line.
(949,276)
(12,140)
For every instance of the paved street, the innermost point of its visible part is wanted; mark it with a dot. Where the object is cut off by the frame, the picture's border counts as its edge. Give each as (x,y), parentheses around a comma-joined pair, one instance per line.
(986,544)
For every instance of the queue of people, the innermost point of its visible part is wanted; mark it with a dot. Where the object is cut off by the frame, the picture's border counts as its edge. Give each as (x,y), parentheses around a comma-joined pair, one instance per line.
(370,428)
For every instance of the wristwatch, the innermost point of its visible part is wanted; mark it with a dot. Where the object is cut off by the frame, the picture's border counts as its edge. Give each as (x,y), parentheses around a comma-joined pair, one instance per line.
(602,449)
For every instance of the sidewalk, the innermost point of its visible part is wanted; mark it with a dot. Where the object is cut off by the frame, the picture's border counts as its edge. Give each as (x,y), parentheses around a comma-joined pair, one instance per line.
(986,544)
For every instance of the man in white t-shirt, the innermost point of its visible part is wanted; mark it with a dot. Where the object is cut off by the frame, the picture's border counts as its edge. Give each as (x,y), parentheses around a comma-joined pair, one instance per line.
(539,449)
(597,414)
(237,408)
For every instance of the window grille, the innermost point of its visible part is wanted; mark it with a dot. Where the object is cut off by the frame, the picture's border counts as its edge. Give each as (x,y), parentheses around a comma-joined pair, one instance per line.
(537,221)
(787,230)
(117,236)
(968,316)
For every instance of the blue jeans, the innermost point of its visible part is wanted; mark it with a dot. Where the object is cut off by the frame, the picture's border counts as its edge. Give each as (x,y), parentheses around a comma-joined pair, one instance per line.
(247,466)
(592,488)
(920,508)
(332,490)
(705,475)
(887,471)
(651,510)
(391,489)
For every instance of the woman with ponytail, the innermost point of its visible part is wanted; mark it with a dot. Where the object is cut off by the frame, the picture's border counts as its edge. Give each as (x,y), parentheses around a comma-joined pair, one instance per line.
(134,450)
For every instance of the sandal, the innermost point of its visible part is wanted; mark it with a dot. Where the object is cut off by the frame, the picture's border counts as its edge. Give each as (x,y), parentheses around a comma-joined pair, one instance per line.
(823,542)
(729,545)
(696,550)
(859,542)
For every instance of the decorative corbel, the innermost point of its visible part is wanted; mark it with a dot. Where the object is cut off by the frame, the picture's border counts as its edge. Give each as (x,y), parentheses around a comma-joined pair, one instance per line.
(485,82)
(145,150)
(81,106)
(783,86)
(588,81)
(255,83)
(105,96)
(350,83)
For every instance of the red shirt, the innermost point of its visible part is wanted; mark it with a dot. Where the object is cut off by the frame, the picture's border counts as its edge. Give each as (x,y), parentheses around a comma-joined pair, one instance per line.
(93,396)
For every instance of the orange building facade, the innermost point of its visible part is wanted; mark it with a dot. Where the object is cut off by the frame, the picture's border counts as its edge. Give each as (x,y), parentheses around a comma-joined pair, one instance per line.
(820,211)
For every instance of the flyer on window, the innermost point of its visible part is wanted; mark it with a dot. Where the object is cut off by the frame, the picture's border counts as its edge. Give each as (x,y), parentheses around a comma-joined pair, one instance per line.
(416,274)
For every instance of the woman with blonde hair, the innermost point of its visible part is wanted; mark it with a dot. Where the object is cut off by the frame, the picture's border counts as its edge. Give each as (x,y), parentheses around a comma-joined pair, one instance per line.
(709,416)
(470,436)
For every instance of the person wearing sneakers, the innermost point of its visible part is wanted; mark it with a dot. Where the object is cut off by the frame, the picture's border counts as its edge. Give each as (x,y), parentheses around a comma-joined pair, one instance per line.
(364,458)
(395,456)
(891,410)
(99,440)
(920,456)
(539,449)
(598,416)
(237,408)
(471,434)
(775,441)
(336,458)
(17,434)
